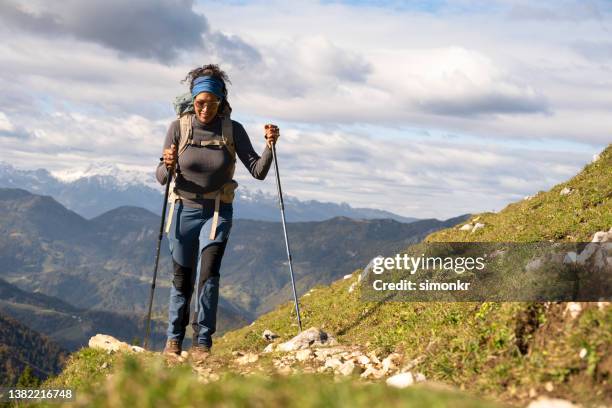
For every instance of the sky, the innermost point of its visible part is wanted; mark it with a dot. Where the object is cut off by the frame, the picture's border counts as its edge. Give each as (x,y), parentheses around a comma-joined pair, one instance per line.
(423,108)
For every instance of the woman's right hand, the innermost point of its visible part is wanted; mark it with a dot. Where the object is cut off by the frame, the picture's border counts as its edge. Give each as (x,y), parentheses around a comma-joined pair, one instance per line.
(170,156)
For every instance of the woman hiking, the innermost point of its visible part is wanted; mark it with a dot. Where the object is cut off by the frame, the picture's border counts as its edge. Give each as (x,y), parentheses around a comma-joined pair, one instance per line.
(201,212)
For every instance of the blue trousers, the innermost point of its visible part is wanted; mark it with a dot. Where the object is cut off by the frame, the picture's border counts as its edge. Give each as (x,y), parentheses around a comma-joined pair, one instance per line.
(190,245)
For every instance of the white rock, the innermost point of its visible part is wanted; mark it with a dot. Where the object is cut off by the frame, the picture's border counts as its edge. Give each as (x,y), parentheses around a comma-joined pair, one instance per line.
(372,372)
(269,335)
(389,362)
(363,360)
(332,363)
(308,338)
(401,380)
(599,236)
(583,353)
(349,276)
(247,358)
(269,348)
(466,227)
(478,226)
(573,309)
(603,305)
(565,191)
(595,158)
(544,402)
(352,287)
(347,368)
(528,197)
(303,355)
(111,344)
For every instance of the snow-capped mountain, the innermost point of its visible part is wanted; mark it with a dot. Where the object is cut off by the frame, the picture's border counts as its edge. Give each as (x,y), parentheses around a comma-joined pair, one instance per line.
(101,187)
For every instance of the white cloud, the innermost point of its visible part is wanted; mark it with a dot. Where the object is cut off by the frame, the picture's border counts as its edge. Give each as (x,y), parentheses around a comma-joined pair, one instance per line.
(72,98)
(5,123)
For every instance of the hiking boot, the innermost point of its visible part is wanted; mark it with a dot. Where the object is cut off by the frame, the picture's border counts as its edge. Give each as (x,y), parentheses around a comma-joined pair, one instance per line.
(199,353)
(173,348)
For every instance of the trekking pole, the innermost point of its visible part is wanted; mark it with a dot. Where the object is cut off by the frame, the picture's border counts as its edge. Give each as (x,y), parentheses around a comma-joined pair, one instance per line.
(159,240)
(282,207)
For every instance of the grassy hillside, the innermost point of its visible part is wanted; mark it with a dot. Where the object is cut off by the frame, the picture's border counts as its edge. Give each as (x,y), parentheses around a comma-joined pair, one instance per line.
(508,352)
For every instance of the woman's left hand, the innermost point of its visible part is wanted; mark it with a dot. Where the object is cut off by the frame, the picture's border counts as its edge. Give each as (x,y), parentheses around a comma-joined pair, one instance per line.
(272,134)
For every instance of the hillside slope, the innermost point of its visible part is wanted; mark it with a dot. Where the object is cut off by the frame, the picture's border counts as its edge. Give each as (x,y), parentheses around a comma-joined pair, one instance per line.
(510,352)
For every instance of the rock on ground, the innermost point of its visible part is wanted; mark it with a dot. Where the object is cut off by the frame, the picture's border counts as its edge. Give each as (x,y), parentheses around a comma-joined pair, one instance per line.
(313,337)
(111,344)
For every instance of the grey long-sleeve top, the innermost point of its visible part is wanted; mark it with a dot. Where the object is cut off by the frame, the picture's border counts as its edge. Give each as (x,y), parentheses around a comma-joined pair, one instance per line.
(206,168)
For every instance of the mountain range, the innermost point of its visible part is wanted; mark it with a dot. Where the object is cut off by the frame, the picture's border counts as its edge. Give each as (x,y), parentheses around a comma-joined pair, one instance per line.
(105,264)
(103,187)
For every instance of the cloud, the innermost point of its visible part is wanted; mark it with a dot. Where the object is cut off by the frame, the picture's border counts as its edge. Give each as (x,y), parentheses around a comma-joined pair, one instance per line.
(558,10)
(597,51)
(159,29)
(424,178)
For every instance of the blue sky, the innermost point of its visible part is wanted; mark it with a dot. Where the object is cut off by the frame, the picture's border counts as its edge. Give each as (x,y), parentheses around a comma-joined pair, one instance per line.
(423,108)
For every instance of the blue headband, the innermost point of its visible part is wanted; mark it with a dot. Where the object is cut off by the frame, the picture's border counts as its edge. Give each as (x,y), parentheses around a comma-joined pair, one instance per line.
(207,84)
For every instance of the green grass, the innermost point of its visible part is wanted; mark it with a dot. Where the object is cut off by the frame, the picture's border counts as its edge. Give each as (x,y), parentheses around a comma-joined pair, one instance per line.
(502,351)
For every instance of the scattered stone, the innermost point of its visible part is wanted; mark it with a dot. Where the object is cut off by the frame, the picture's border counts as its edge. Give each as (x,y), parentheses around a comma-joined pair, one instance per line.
(303,355)
(269,348)
(389,362)
(532,393)
(404,380)
(308,338)
(466,227)
(105,365)
(268,335)
(528,197)
(549,386)
(566,191)
(247,358)
(349,276)
(544,402)
(373,357)
(583,353)
(352,287)
(602,305)
(573,309)
(371,372)
(595,158)
(332,363)
(111,344)
(347,368)
(602,236)
(363,360)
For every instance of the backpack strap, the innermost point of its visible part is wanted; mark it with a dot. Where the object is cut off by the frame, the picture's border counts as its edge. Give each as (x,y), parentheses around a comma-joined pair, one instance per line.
(186,136)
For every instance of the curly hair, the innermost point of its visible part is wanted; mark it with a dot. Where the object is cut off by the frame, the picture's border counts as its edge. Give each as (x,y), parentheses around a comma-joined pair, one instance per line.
(212,70)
